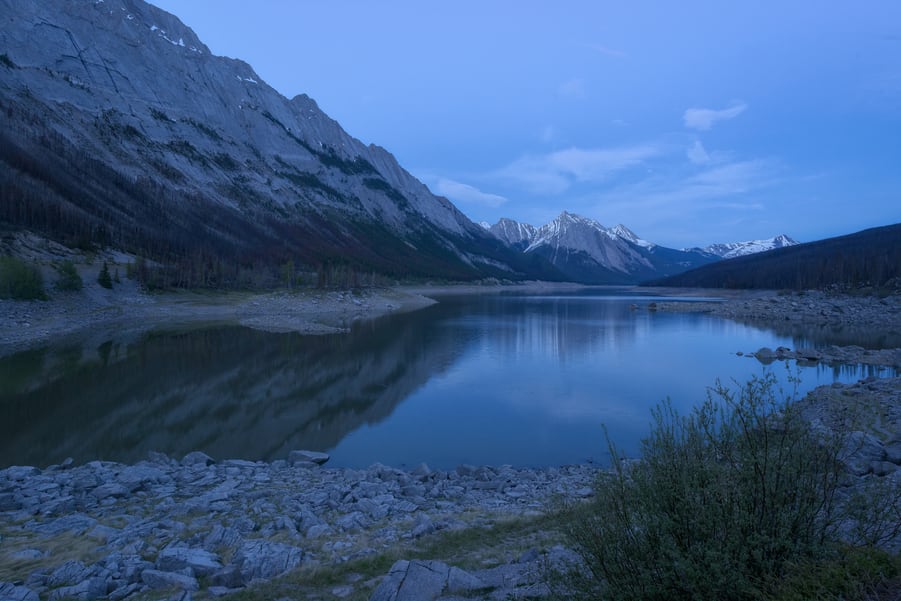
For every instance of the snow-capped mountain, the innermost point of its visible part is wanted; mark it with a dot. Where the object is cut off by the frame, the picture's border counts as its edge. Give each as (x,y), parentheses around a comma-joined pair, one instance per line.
(586,251)
(740,249)
(120,128)
(515,234)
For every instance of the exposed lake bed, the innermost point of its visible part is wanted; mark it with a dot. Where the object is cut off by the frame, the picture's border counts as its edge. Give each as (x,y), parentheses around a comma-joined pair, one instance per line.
(152,524)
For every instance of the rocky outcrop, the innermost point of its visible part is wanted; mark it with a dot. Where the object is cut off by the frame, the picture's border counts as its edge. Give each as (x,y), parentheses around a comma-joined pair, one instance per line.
(196,524)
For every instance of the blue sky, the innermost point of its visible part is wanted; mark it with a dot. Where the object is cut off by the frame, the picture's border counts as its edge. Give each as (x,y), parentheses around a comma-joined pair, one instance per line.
(689,122)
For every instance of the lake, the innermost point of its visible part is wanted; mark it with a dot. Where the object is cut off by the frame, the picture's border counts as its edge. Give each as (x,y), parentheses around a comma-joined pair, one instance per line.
(526,380)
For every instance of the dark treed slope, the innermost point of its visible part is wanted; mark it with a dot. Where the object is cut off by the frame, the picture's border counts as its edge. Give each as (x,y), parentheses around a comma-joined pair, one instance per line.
(868,258)
(120,129)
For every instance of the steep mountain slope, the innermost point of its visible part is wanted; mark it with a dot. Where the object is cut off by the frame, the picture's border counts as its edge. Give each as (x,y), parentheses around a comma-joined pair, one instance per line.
(730,250)
(586,251)
(121,128)
(871,257)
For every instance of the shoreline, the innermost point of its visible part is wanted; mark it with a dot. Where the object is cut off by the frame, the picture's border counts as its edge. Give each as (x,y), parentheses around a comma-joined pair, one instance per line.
(196,526)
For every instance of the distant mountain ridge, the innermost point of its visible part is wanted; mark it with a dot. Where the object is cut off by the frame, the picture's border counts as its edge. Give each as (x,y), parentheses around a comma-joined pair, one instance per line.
(586,251)
(870,257)
(730,250)
(121,129)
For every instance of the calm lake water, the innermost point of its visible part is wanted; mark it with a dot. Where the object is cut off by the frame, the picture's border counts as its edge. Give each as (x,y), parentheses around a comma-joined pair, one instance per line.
(496,379)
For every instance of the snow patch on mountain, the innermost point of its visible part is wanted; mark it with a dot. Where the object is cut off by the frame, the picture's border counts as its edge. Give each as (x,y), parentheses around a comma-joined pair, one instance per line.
(731,250)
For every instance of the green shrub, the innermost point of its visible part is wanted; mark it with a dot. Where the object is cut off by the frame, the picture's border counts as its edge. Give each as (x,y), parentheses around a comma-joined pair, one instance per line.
(20,281)
(103,278)
(721,503)
(68,279)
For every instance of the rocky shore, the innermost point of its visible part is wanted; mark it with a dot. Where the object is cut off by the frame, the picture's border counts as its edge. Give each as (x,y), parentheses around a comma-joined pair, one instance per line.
(195,526)
(866,329)
(25,324)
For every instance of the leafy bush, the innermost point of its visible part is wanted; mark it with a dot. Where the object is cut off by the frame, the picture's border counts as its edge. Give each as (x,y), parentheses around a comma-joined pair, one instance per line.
(721,503)
(19,280)
(68,280)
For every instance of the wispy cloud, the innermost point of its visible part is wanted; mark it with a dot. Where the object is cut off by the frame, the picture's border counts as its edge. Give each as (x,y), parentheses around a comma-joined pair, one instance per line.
(555,172)
(574,88)
(606,50)
(697,154)
(728,186)
(704,119)
(464,193)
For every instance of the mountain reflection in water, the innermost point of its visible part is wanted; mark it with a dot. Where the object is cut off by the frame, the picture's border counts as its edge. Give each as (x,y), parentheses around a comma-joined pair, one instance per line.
(526,380)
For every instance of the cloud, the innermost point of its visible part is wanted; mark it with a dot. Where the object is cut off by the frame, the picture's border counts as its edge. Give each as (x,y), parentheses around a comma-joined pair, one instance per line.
(704,119)
(671,198)
(464,193)
(606,50)
(574,88)
(697,154)
(549,134)
(554,173)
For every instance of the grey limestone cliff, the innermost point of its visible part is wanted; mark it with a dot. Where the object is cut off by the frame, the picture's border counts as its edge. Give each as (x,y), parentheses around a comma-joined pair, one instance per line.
(126,125)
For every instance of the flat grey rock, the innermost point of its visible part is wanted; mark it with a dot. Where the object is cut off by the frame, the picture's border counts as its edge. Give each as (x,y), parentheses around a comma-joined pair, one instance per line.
(13,592)
(296,457)
(157,579)
(420,580)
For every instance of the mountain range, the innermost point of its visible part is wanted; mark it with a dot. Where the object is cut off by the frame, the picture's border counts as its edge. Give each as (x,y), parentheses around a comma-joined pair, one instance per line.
(586,251)
(121,129)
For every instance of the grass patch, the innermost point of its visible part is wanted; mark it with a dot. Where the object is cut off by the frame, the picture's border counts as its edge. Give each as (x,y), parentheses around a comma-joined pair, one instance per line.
(59,549)
(491,542)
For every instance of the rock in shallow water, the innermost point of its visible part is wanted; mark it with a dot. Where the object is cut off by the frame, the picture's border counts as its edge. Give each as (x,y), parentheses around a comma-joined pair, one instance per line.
(296,457)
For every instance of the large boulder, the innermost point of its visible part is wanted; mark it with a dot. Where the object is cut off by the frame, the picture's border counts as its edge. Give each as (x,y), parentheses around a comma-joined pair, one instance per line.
(419,580)
(174,558)
(264,559)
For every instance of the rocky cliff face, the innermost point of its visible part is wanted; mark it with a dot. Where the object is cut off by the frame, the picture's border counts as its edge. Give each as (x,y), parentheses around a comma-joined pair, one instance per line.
(121,128)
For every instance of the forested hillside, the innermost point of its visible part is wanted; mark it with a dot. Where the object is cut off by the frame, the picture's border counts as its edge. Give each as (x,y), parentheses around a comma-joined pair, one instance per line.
(868,258)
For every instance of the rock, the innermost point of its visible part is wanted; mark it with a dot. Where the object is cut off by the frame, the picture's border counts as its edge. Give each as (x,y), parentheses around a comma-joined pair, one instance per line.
(810,355)
(228,578)
(124,591)
(883,468)
(765,355)
(197,458)
(109,490)
(69,573)
(136,477)
(419,580)
(157,579)
(12,592)
(862,450)
(10,502)
(295,457)
(264,559)
(893,452)
(318,530)
(17,473)
(92,588)
(221,591)
(176,558)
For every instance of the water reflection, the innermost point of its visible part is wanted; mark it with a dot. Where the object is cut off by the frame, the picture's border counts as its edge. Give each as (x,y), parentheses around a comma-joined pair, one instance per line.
(486,380)
(230,391)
